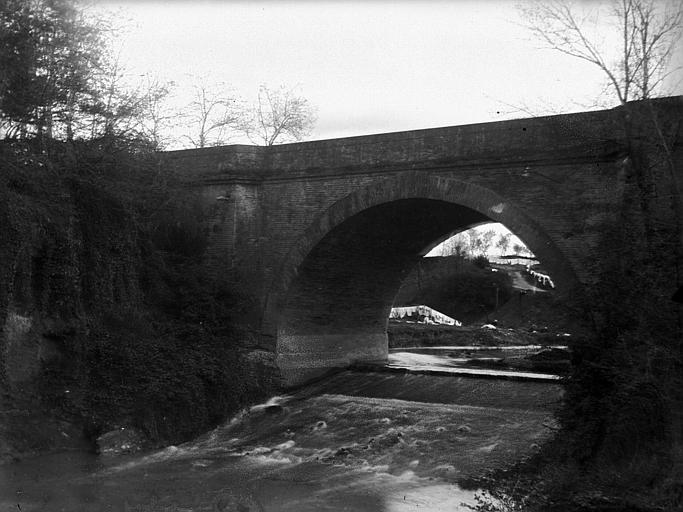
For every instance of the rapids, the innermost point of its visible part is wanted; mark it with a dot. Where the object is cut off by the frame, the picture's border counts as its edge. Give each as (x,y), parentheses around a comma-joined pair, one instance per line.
(361,441)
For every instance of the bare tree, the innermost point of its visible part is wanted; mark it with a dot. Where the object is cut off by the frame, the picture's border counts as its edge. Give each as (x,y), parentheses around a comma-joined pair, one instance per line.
(483,240)
(476,241)
(213,114)
(454,246)
(648,31)
(116,108)
(503,242)
(157,114)
(280,115)
(519,249)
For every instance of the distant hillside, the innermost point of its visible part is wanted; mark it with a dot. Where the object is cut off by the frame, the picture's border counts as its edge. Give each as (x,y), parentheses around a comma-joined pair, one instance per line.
(460,289)
(456,287)
(540,311)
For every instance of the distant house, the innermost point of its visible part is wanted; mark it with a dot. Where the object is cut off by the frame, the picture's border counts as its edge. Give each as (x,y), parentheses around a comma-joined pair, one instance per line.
(421,314)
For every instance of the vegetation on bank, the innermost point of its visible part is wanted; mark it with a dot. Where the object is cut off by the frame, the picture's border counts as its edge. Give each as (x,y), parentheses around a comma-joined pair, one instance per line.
(109,316)
(620,446)
(404,335)
(620,443)
(102,250)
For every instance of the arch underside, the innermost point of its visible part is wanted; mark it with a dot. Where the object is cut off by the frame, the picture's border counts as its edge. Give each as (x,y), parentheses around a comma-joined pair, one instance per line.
(335,307)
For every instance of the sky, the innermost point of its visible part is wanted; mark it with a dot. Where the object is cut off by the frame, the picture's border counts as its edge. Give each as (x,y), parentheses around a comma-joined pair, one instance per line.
(367,66)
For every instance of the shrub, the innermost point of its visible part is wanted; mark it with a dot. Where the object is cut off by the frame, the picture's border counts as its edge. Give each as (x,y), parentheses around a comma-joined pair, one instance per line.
(481,261)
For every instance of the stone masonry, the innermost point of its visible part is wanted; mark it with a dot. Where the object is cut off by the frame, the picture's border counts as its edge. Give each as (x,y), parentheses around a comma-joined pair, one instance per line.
(321,233)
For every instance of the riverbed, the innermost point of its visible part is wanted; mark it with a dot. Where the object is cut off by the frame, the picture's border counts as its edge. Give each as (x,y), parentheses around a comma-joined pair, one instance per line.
(367,441)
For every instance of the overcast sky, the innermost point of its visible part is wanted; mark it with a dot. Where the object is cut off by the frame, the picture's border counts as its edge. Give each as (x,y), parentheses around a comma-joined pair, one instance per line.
(369,67)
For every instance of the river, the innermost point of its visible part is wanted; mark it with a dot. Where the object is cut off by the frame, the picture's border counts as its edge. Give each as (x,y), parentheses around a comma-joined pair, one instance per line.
(361,441)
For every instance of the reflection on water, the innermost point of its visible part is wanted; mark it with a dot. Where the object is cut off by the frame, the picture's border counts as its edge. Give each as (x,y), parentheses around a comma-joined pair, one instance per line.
(358,441)
(502,361)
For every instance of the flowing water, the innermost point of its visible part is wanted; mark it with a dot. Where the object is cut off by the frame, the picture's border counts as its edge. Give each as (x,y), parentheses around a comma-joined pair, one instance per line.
(472,360)
(361,441)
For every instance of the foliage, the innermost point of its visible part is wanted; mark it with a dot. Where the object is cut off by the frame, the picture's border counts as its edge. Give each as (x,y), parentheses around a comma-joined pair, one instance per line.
(618,446)
(520,249)
(478,241)
(623,396)
(481,261)
(62,80)
(503,242)
(622,388)
(623,399)
(48,52)
(101,247)
(471,242)
(106,252)
(51,54)
(170,377)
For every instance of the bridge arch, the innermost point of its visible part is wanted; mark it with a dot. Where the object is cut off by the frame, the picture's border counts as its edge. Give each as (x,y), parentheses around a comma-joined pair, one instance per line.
(329,304)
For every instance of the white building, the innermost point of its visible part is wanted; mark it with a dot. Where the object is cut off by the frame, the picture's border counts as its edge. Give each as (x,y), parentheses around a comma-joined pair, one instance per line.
(422,314)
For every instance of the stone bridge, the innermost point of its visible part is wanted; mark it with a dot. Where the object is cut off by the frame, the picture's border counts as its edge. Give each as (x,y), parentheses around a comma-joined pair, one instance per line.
(322,233)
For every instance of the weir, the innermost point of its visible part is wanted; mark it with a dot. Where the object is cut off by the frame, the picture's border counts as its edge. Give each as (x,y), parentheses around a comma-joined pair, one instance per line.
(370,441)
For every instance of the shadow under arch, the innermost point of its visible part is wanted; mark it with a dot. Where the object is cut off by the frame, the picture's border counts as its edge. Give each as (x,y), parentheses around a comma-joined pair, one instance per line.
(328,306)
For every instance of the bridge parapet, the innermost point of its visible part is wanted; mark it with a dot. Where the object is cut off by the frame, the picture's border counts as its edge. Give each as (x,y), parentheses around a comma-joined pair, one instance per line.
(206,165)
(574,137)
(588,135)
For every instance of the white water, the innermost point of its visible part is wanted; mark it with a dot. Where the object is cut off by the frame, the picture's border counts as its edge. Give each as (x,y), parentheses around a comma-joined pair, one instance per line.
(358,441)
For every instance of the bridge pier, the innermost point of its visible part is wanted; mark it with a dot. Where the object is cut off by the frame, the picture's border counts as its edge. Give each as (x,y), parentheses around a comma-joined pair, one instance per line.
(301,358)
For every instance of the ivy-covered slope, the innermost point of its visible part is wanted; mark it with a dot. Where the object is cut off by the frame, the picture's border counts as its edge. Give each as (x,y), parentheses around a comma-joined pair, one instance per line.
(108,317)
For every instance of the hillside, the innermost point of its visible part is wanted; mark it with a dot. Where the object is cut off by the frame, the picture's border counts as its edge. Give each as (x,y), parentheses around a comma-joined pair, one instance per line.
(456,287)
